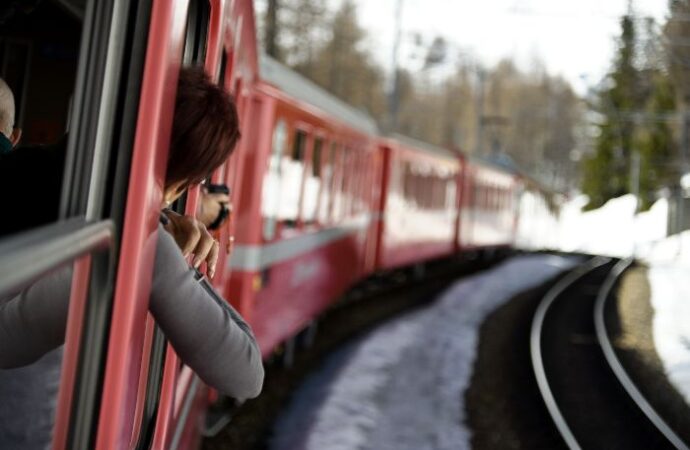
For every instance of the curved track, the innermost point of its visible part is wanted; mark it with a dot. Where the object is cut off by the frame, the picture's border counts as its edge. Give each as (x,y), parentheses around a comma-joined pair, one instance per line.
(590,397)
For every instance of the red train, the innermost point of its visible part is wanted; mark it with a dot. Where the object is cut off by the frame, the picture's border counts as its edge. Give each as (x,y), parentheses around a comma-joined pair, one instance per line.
(321,200)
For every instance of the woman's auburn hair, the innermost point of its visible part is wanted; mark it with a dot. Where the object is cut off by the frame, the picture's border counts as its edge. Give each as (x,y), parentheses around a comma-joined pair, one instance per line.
(205,128)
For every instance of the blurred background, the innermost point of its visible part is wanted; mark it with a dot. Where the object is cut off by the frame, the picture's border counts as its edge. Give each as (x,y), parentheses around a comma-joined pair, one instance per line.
(589,98)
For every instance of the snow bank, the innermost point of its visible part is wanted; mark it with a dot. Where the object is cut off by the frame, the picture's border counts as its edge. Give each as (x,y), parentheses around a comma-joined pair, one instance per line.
(401,387)
(670,286)
(614,229)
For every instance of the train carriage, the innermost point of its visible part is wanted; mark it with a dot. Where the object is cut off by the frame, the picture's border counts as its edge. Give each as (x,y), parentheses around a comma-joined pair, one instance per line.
(490,206)
(321,200)
(422,198)
(304,222)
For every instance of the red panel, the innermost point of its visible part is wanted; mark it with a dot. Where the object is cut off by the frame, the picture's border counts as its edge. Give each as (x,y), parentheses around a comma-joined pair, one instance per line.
(301,288)
(164,418)
(70,359)
(143,379)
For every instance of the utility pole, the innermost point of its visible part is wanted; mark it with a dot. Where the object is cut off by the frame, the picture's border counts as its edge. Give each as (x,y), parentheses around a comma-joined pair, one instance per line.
(272,48)
(635,178)
(684,152)
(394,97)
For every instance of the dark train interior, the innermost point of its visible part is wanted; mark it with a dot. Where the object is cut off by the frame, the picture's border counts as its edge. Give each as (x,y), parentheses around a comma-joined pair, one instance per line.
(39,52)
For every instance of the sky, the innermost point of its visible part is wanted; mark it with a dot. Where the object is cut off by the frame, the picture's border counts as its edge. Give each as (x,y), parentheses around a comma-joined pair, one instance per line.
(575,39)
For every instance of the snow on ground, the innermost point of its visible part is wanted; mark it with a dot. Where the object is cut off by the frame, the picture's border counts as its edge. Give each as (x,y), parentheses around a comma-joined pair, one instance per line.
(401,386)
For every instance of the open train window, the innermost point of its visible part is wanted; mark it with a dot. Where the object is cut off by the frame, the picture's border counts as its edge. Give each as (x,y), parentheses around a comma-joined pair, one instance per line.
(292,171)
(313,182)
(337,187)
(194,55)
(343,193)
(196,33)
(39,63)
(54,58)
(327,172)
(271,192)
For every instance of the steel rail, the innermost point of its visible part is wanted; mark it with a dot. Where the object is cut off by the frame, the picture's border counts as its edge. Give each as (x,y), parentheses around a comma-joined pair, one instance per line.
(615,364)
(535,346)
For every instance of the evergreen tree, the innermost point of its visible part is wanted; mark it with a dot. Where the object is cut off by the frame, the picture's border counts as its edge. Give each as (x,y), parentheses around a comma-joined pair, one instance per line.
(606,172)
(657,147)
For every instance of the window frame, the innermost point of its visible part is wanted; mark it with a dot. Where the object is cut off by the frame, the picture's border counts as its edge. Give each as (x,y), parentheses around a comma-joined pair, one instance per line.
(89,233)
(163,366)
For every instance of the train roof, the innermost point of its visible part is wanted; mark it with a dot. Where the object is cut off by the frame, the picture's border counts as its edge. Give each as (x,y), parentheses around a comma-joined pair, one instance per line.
(424,146)
(299,87)
(501,161)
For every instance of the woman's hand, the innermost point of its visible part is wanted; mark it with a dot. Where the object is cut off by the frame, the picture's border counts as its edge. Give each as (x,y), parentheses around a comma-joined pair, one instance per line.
(193,238)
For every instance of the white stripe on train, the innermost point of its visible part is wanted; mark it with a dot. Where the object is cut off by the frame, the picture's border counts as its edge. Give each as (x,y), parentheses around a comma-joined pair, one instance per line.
(253,258)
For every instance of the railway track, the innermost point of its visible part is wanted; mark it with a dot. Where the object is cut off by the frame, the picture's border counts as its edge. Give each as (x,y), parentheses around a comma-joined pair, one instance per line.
(592,400)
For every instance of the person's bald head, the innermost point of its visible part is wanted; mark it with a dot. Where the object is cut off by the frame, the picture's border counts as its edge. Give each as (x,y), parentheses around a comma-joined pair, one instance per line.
(7,112)
(6,109)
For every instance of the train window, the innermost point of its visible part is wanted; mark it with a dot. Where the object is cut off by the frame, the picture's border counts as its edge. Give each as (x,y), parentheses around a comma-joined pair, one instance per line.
(59,89)
(298,146)
(339,184)
(292,171)
(365,187)
(316,158)
(347,182)
(477,197)
(271,191)
(14,65)
(224,70)
(312,184)
(39,63)
(360,182)
(196,33)
(353,185)
(328,177)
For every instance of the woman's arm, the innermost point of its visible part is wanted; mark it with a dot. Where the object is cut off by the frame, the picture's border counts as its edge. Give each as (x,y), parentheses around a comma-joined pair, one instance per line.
(208,335)
(33,322)
(206,332)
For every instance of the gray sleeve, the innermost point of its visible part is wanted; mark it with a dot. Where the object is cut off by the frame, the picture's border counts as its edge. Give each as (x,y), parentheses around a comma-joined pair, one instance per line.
(33,322)
(205,331)
(208,335)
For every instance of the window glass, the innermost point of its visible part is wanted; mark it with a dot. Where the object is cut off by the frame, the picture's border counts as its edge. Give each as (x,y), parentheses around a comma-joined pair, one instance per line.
(367,183)
(271,192)
(361,173)
(339,185)
(292,171)
(327,184)
(312,184)
(451,192)
(354,175)
(348,178)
